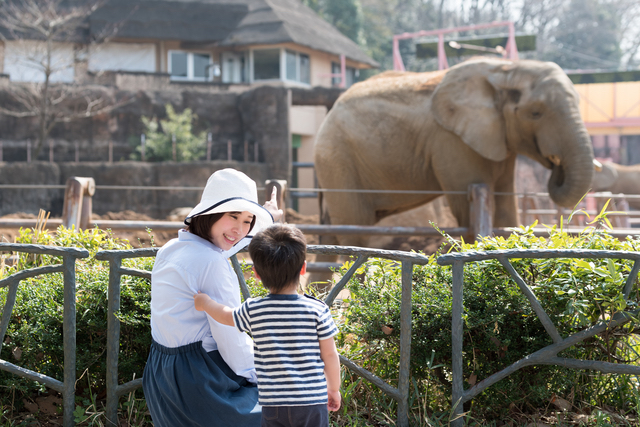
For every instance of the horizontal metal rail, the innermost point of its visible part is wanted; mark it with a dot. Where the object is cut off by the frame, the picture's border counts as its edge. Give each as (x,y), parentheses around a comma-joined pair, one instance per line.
(67,268)
(548,354)
(600,195)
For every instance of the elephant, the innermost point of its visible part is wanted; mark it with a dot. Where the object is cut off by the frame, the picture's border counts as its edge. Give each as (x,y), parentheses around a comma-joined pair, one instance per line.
(445,130)
(618,179)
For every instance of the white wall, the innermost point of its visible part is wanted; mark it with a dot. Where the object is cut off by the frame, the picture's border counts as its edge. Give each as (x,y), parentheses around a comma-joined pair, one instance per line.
(25,61)
(123,57)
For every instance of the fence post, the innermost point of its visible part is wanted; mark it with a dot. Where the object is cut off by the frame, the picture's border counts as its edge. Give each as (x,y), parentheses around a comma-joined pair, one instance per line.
(110,151)
(50,151)
(481,210)
(143,140)
(76,210)
(173,147)
(209,142)
(281,185)
(28,151)
(229,151)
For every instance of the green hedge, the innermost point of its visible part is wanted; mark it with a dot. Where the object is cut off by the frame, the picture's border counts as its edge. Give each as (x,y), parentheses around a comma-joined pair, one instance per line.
(500,326)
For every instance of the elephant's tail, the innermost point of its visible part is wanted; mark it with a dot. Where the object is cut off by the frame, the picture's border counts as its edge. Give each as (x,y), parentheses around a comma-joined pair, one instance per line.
(324,212)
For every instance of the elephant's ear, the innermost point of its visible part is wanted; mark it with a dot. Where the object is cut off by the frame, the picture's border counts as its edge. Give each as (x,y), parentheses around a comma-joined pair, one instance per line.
(465,104)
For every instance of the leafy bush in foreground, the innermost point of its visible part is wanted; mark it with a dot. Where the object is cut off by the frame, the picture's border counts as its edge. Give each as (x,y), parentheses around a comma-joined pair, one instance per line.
(34,336)
(500,326)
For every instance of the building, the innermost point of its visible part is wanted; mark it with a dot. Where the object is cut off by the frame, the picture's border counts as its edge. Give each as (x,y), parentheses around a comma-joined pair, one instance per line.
(208,46)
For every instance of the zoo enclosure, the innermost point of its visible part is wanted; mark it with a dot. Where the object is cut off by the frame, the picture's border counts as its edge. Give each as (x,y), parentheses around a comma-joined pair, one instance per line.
(544,356)
(79,192)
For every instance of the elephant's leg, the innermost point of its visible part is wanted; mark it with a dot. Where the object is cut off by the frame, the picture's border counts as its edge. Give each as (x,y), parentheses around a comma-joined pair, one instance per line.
(459,205)
(506,206)
(341,209)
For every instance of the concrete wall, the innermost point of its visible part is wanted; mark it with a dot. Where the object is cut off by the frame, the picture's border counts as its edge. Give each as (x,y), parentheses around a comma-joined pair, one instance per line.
(155,203)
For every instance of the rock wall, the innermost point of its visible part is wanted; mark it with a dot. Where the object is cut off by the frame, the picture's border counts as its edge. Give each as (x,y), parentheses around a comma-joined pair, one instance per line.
(155,203)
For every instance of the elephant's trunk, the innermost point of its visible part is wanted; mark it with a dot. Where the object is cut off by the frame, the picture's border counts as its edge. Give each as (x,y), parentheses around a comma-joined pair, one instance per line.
(572,175)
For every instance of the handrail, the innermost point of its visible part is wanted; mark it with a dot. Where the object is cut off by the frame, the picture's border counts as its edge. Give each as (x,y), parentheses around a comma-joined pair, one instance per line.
(67,268)
(548,354)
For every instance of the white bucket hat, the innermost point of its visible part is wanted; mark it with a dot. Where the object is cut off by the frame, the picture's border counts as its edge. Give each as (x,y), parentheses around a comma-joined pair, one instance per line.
(229,190)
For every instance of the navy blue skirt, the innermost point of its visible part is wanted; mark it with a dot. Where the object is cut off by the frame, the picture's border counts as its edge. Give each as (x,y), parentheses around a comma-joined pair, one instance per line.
(186,386)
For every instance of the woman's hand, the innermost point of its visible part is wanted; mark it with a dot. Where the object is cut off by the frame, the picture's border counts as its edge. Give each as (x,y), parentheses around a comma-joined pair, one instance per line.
(272,206)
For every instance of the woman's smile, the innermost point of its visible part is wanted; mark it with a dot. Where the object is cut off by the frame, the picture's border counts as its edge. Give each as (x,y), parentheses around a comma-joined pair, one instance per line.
(230,229)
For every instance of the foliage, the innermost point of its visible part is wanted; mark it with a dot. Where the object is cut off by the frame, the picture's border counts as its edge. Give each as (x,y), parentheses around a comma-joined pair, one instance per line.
(500,327)
(34,336)
(587,36)
(160,134)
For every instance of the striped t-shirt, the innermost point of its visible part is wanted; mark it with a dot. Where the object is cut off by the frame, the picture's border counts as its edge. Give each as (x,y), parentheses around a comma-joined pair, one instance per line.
(286,330)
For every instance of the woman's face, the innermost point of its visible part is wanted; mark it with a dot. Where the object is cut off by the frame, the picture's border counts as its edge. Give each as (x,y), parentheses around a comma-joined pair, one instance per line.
(230,229)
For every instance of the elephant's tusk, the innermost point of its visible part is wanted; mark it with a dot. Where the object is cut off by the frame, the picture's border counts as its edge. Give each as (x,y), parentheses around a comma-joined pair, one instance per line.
(597,165)
(554,159)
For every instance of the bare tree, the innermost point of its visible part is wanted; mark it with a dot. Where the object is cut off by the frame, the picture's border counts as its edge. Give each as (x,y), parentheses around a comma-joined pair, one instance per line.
(48,38)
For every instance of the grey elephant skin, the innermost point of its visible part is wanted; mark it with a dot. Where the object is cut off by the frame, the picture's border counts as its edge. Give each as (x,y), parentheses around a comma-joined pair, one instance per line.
(619,179)
(446,130)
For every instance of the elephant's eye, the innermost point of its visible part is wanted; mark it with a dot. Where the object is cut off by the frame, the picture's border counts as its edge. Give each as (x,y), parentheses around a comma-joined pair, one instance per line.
(535,115)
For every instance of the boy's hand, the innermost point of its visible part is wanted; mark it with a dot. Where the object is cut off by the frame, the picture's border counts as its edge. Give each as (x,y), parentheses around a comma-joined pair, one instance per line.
(200,300)
(334,400)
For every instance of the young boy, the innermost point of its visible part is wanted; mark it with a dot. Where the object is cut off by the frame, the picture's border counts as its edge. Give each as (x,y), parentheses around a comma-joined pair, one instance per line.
(295,354)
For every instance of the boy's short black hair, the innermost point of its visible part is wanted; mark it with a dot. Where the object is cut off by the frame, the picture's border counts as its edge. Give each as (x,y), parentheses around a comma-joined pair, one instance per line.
(278,253)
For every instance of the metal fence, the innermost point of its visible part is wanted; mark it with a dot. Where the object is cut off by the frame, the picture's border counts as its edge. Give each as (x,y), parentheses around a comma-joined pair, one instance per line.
(545,356)
(69,255)
(548,354)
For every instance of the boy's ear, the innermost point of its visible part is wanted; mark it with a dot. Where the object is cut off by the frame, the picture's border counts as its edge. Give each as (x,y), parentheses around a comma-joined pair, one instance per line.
(255,273)
(303,270)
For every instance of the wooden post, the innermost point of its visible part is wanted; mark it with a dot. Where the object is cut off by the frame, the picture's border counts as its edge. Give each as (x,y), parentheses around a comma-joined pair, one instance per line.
(76,210)
(281,185)
(110,151)
(173,147)
(481,210)
(229,151)
(209,143)
(28,151)
(50,151)
(143,140)
(623,220)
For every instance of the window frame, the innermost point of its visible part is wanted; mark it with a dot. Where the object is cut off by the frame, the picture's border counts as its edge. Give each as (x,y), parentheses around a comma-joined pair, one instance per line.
(283,51)
(190,66)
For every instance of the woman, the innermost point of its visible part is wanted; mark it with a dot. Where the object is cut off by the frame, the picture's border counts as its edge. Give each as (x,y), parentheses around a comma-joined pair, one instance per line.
(199,372)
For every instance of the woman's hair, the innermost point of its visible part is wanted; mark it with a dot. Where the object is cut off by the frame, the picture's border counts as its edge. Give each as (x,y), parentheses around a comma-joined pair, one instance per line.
(201,225)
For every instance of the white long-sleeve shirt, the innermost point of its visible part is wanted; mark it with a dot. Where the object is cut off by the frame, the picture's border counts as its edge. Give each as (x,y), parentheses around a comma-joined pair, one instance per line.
(183,267)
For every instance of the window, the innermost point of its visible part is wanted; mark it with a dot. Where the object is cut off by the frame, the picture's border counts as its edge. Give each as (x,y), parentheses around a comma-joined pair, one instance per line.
(298,67)
(266,64)
(352,75)
(189,66)
(233,67)
(281,64)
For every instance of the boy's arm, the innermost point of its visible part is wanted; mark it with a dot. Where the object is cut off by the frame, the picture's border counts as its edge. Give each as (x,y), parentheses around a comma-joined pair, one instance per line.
(219,312)
(329,355)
